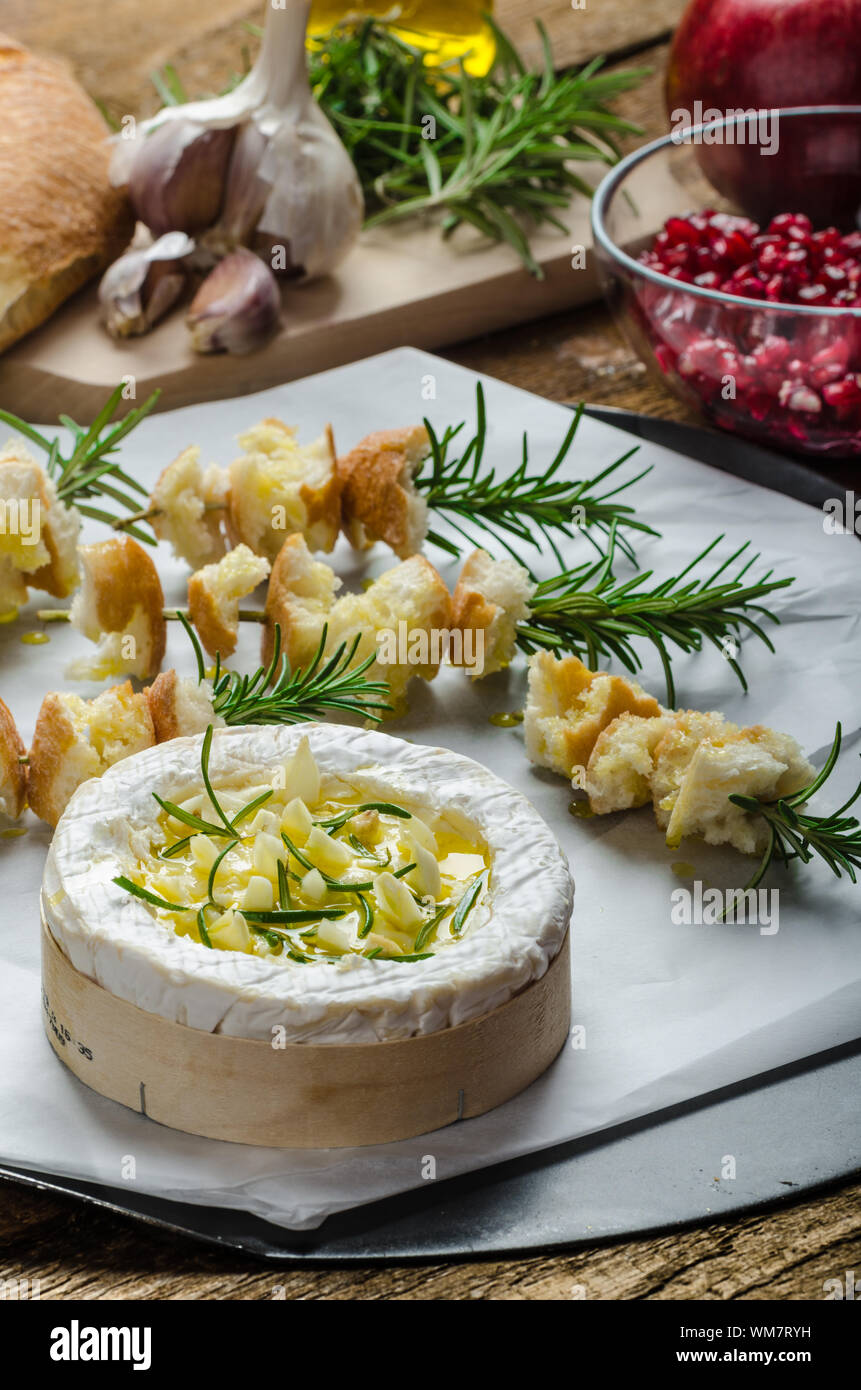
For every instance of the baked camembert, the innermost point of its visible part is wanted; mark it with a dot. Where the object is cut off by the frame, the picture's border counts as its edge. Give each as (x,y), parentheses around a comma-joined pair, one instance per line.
(335,883)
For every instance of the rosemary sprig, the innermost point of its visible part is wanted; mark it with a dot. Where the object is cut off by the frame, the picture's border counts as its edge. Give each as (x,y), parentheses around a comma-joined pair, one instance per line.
(524,507)
(796,834)
(500,150)
(589,612)
(293,697)
(90,470)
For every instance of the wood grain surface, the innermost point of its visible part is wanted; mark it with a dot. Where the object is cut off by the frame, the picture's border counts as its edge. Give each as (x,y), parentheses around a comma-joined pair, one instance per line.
(76,1252)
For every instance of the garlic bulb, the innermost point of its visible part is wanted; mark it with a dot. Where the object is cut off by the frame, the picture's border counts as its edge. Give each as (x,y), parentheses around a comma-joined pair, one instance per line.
(290,189)
(144,282)
(238,306)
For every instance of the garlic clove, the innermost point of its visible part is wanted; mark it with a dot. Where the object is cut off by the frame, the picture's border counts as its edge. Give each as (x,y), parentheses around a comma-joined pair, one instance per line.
(238,306)
(245,192)
(178,176)
(143,283)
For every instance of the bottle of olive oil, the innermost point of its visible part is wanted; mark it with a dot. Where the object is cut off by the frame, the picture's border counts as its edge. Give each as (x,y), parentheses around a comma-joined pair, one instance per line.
(446,28)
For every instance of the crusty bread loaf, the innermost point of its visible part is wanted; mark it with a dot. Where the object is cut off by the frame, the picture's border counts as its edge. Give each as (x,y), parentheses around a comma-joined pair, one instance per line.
(378,499)
(492,596)
(567,706)
(120,605)
(756,762)
(13,772)
(179,706)
(279,487)
(621,764)
(190,503)
(77,739)
(61,222)
(214,593)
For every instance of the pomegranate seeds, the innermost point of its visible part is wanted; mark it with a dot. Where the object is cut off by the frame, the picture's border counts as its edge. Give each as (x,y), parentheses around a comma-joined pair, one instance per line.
(791,378)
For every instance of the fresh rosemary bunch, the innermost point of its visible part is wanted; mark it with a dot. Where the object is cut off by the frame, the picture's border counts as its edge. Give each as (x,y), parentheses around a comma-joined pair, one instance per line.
(90,470)
(796,834)
(589,612)
(523,507)
(276,694)
(494,152)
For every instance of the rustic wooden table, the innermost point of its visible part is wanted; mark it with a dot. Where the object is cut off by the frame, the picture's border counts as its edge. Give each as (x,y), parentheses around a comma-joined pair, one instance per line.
(77,1252)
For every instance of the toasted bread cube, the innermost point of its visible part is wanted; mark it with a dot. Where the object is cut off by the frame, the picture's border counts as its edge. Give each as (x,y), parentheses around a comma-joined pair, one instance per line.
(755,762)
(379,501)
(13,772)
(567,706)
(299,600)
(120,605)
(674,751)
(280,488)
(190,503)
(404,619)
(214,593)
(179,706)
(38,534)
(78,739)
(406,612)
(492,597)
(621,764)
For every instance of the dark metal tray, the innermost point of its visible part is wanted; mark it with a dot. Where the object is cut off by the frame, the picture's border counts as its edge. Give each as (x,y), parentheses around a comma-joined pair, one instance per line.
(790,1130)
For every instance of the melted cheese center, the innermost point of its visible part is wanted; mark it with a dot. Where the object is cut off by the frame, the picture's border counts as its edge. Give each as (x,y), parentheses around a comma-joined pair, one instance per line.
(313,872)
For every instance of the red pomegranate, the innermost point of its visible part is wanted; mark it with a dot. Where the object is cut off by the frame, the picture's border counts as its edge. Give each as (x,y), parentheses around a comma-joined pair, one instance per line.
(733,55)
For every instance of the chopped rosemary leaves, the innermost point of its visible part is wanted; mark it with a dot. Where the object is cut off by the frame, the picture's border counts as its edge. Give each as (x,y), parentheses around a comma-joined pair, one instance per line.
(146,896)
(386,807)
(467,902)
(367,917)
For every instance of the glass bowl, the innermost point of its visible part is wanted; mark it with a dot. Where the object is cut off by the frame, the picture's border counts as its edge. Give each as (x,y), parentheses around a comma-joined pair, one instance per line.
(788,375)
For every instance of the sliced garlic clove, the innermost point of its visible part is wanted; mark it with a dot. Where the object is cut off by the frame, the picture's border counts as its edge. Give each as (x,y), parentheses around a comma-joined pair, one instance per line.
(237,308)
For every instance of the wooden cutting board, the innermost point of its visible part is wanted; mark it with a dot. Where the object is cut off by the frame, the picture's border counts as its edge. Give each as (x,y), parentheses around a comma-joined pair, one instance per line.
(400,285)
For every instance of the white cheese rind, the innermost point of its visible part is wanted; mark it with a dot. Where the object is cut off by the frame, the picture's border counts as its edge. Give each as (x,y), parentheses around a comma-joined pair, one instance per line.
(115,940)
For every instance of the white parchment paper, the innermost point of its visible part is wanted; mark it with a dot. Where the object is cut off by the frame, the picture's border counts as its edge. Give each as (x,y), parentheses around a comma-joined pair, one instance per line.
(669,1011)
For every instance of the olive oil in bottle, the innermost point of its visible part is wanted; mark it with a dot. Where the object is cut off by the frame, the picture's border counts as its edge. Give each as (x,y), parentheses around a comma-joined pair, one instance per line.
(446,28)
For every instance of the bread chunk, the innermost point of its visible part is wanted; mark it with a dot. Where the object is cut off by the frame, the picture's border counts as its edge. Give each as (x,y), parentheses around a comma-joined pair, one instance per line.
(120,605)
(280,488)
(403,618)
(621,764)
(190,503)
(78,739)
(180,706)
(674,751)
(214,593)
(492,597)
(567,707)
(379,501)
(752,762)
(39,535)
(13,772)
